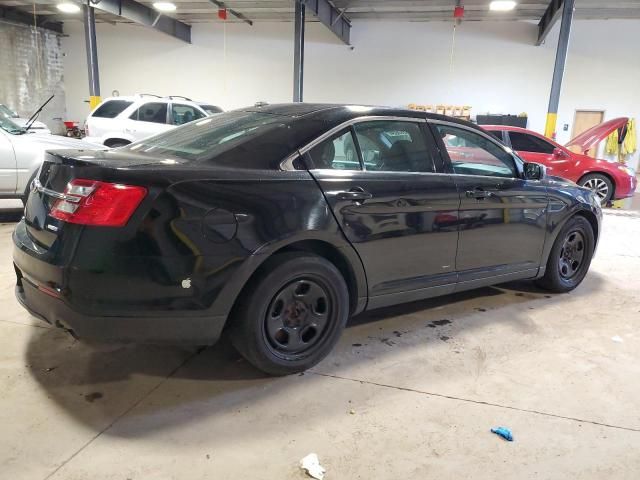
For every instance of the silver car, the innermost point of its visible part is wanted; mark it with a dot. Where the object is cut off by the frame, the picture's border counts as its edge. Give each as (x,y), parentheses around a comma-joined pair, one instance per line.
(21,155)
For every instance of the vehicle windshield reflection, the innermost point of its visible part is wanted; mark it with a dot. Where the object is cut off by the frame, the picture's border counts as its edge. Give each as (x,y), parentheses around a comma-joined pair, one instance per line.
(10,127)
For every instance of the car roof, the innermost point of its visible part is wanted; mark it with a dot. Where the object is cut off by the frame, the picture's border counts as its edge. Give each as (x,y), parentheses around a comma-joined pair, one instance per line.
(330,111)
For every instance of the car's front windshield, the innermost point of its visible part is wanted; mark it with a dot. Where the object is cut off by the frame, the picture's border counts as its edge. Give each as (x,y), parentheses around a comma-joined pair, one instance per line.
(7,112)
(9,126)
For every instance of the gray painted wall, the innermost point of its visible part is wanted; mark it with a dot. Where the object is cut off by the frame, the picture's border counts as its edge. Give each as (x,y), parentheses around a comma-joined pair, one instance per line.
(32,69)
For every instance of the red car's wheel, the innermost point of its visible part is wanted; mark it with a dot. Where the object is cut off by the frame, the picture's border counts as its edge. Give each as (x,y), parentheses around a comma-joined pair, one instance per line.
(600,184)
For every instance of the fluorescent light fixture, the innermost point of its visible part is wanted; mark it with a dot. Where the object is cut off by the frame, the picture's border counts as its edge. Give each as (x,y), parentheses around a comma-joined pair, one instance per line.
(502,5)
(165,6)
(68,7)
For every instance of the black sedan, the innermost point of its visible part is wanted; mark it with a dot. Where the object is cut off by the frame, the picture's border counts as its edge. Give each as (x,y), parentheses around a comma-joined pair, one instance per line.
(260,223)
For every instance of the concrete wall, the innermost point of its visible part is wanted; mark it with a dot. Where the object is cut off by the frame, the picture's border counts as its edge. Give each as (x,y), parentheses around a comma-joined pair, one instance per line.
(31,69)
(496,67)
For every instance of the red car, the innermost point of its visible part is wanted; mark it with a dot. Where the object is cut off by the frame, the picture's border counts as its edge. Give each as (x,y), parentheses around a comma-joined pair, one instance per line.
(609,180)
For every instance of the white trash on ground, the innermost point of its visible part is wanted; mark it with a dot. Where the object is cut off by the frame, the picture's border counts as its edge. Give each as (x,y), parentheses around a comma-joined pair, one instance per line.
(311,465)
(617,339)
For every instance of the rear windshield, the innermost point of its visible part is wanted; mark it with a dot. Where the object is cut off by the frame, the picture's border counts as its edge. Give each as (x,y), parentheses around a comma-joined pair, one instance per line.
(210,109)
(111,108)
(212,136)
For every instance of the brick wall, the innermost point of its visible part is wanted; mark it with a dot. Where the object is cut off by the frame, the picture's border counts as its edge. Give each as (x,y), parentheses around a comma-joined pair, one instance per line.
(31,69)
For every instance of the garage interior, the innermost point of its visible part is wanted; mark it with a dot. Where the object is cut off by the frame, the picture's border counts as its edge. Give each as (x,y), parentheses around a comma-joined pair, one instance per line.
(411,391)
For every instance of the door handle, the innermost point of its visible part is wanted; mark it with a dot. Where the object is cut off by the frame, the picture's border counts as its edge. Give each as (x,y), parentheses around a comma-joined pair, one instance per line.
(356,194)
(479,194)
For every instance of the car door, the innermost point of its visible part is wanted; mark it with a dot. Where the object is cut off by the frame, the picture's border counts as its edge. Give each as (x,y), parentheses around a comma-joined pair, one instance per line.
(502,216)
(149,119)
(8,165)
(394,207)
(533,148)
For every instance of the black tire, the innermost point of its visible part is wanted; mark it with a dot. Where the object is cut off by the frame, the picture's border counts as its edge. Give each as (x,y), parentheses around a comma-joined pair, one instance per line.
(600,184)
(570,256)
(273,322)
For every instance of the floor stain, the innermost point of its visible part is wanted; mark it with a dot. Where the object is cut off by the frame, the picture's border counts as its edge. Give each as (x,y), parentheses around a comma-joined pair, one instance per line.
(444,338)
(91,397)
(439,323)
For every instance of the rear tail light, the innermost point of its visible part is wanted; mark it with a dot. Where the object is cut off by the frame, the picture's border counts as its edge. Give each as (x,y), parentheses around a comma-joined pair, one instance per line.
(90,202)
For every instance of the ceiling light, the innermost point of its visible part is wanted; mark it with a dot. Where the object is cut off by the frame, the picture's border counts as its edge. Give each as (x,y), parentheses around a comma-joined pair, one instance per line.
(68,7)
(502,5)
(164,6)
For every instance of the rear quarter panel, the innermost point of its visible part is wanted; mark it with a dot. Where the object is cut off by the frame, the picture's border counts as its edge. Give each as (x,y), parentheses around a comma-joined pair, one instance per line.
(193,244)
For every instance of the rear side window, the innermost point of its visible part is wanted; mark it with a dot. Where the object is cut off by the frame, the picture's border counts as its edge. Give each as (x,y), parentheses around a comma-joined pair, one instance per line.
(336,153)
(529,143)
(154,112)
(111,108)
(182,114)
(393,146)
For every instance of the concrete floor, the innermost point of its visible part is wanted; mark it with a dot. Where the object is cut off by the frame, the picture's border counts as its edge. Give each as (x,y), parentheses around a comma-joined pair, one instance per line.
(410,392)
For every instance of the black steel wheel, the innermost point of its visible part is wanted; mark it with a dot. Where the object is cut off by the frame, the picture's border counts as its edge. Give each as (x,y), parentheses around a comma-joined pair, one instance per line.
(570,256)
(292,314)
(297,317)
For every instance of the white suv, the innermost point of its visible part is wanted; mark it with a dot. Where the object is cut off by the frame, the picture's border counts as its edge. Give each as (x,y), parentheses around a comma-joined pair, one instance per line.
(119,121)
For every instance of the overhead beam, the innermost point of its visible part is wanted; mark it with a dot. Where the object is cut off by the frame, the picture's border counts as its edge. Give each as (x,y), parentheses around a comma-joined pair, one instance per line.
(139,13)
(14,15)
(548,20)
(334,19)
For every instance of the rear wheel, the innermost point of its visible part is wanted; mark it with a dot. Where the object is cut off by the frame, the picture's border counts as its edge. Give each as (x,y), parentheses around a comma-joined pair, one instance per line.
(570,256)
(292,314)
(600,184)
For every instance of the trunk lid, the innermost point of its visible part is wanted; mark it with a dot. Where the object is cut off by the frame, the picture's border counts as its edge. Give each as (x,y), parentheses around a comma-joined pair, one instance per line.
(591,137)
(62,166)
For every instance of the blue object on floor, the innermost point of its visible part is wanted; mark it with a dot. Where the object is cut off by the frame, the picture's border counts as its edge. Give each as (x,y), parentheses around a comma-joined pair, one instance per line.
(504,432)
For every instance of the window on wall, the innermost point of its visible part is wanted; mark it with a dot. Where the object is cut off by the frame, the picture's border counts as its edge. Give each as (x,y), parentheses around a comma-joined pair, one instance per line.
(337,153)
(154,112)
(523,142)
(472,153)
(393,146)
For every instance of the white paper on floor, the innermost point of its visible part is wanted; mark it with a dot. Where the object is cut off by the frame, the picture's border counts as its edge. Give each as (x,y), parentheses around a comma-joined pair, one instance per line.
(311,465)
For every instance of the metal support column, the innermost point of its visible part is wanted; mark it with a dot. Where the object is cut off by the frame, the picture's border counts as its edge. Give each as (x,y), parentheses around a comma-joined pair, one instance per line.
(298,52)
(92,55)
(558,69)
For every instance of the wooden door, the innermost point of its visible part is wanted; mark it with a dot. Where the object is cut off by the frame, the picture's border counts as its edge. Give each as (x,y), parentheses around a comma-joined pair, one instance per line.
(583,121)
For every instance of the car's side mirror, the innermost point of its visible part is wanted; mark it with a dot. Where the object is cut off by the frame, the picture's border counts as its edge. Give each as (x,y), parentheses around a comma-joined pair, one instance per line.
(559,153)
(534,171)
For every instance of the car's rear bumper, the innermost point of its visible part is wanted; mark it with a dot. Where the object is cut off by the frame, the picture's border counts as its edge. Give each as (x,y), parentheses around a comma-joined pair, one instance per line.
(41,303)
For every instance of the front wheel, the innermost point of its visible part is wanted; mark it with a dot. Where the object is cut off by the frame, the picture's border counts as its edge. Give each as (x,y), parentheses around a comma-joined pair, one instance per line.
(570,256)
(600,184)
(292,314)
